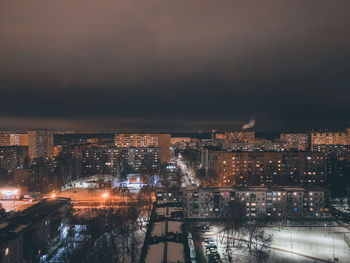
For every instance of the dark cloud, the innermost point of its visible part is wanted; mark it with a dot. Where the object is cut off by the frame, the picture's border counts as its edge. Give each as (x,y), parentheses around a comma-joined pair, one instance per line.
(180,65)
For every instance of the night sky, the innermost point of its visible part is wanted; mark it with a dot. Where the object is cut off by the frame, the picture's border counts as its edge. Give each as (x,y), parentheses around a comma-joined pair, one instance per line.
(174,65)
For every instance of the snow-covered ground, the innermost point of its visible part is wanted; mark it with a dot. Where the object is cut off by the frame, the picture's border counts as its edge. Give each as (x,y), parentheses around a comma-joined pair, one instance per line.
(294,244)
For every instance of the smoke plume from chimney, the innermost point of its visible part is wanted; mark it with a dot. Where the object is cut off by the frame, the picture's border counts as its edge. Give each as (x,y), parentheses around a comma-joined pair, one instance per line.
(249,125)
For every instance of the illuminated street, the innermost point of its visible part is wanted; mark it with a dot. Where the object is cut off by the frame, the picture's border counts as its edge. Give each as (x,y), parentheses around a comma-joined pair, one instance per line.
(189,177)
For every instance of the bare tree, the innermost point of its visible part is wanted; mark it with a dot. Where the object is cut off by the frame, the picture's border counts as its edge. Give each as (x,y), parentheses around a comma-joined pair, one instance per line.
(232,225)
(257,241)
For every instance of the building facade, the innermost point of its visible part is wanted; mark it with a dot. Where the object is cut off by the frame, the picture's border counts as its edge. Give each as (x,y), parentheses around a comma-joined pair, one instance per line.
(265,168)
(271,202)
(111,160)
(327,138)
(13,139)
(40,144)
(295,141)
(13,157)
(161,141)
(236,136)
(26,236)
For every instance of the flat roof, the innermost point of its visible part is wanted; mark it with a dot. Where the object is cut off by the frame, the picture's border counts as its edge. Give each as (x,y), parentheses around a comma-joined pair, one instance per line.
(15,225)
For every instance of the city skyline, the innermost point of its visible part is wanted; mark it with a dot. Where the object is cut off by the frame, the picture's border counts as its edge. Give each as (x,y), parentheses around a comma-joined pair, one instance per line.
(181,131)
(186,66)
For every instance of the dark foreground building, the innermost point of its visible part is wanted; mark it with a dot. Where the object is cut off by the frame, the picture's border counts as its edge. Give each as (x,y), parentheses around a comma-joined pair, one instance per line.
(28,236)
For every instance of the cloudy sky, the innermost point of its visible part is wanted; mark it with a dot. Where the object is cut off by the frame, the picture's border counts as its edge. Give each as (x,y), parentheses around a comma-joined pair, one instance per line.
(179,65)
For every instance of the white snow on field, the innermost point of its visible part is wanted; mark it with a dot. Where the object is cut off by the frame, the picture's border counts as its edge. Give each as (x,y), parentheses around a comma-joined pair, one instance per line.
(175,252)
(174,226)
(155,253)
(298,244)
(314,242)
(158,229)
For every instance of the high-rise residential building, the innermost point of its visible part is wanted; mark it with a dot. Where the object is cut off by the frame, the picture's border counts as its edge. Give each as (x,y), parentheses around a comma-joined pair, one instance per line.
(13,157)
(40,144)
(327,138)
(295,141)
(13,139)
(144,141)
(236,136)
(265,168)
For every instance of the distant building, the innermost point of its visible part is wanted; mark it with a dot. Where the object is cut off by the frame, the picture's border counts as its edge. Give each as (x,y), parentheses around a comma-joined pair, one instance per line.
(40,144)
(22,237)
(161,141)
(256,146)
(13,139)
(21,178)
(295,141)
(271,202)
(94,141)
(265,168)
(110,160)
(327,138)
(13,157)
(184,143)
(236,136)
(333,151)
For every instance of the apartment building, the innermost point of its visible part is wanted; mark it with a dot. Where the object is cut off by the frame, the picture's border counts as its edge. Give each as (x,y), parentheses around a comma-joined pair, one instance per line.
(257,201)
(13,139)
(327,138)
(22,237)
(161,141)
(109,160)
(40,144)
(295,141)
(236,136)
(265,168)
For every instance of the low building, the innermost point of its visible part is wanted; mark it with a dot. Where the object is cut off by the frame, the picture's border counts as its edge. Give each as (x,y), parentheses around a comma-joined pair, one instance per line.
(270,202)
(166,238)
(28,236)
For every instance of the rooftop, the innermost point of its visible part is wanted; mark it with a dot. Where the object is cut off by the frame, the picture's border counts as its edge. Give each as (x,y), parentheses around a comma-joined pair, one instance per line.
(15,225)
